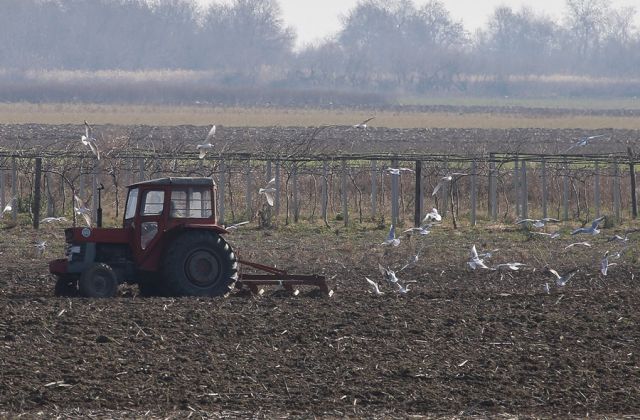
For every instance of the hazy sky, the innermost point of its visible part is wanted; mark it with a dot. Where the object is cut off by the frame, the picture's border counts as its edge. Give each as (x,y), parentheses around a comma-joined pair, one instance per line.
(316,19)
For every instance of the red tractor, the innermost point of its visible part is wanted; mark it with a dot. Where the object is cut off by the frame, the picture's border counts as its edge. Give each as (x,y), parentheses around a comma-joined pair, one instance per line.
(170,244)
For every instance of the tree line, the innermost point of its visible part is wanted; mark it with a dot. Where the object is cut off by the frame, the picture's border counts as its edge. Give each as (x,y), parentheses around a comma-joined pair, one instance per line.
(382,44)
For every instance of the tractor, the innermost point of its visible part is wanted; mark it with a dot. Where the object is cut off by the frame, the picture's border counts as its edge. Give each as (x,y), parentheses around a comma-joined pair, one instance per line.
(170,244)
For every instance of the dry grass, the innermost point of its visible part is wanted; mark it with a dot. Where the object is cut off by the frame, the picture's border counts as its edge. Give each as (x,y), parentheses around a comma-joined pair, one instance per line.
(24,113)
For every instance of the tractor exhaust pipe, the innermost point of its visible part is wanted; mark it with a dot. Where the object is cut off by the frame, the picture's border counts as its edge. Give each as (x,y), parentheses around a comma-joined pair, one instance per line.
(99,211)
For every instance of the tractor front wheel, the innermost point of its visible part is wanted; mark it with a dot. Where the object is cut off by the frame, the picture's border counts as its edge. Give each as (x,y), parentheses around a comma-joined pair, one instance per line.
(66,286)
(98,281)
(200,263)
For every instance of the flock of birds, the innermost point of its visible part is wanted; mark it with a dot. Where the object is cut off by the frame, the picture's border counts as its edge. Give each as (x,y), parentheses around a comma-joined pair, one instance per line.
(480,261)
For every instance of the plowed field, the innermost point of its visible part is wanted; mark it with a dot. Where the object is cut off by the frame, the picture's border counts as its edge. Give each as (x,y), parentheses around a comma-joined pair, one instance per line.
(459,343)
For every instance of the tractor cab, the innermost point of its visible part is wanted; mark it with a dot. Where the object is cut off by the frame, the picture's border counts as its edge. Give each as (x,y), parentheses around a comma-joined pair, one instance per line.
(170,244)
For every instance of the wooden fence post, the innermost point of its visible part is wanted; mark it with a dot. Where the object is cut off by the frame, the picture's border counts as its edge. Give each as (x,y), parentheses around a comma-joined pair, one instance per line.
(418,199)
(94,192)
(444,191)
(545,191)
(51,210)
(37,193)
(294,179)
(632,176)
(269,176)
(616,192)
(596,192)
(395,205)
(278,186)
(325,191)
(249,191)
(2,195)
(516,186)
(493,188)
(565,192)
(524,191)
(345,197)
(374,188)
(140,169)
(223,175)
(14,188)
(474,181)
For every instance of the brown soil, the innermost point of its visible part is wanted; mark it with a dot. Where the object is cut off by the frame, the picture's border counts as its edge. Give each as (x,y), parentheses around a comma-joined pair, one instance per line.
(460,343)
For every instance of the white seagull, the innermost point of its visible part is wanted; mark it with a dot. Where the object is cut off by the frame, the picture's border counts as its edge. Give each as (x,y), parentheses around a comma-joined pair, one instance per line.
(402,289)
(433,215)
(593,230)
(207,143)
(54,219)
(561,280)
(515,266)
(605,264)
(269,191)
(363,124)
(585,244)
(388,274)
(40,247)
(374,285)
(537,222)
(83,210)
(411,262)
(88,139)
(447,178)
(583,141)
(546,288)
(476,262)
(422,230)
(9,207)
(235,226)
(551,235)
(391,237)
(398,171)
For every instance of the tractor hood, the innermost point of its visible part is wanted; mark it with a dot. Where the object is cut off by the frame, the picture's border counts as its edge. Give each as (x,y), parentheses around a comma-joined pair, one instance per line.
(103,235)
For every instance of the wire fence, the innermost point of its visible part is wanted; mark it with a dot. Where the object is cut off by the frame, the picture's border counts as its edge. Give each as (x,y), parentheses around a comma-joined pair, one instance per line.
(345,188)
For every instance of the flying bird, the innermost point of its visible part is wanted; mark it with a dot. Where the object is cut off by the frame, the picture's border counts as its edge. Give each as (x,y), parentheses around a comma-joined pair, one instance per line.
(9,207)
(411,261)
(551,235)
(422,230)
(235,226)
(433,215)
(515,266)
(83,210)
(561,280)
(476,261)
(593,230)
(54,219)
(398,171)
(363,124)
(206,145)
(403,289)
(586,244)
(391,237)
(388,274)
(447,178)
(269,191)
(537,222)
(605,264)
(88,139)
(374,285)
(583,141)
(546,288)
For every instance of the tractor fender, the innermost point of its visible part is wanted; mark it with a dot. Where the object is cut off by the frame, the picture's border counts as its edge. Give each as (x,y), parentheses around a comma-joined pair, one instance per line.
(198,226)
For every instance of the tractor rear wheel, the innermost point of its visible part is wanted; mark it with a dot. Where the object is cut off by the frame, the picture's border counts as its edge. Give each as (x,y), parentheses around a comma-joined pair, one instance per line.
(98,281)
(200,263)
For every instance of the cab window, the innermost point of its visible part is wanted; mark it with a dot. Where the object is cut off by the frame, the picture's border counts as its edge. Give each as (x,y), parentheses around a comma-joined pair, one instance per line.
(191,203)
(152,203)
(132,201)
